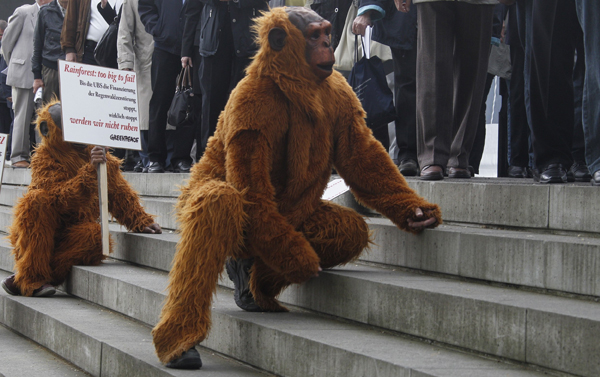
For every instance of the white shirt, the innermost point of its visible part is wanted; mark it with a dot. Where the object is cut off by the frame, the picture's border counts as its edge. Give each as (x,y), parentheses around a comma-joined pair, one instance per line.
(97,24)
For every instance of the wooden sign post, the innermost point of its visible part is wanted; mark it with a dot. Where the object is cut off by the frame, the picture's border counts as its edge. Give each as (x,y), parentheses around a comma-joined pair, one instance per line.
(99,107)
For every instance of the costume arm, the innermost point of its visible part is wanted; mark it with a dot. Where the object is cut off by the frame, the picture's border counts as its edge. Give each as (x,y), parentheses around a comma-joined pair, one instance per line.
(126,36)
(123,201)
(280,246)
(371,174)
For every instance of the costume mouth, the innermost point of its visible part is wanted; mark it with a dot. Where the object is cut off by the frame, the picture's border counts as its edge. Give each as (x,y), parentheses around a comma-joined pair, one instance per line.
(326,67)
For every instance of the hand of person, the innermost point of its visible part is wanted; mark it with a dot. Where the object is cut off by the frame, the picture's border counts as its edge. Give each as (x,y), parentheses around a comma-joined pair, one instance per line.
(422,220)
(403,5)
(71,57)
(153,229)
(37,83)
(9,99)
(360,23)
(185,61)
(97,155)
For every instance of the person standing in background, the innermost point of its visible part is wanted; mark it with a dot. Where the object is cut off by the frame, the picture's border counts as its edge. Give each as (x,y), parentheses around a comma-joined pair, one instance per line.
(5,95)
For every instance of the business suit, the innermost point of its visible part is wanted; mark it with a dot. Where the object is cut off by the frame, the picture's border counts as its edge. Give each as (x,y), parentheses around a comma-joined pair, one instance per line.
(17,47)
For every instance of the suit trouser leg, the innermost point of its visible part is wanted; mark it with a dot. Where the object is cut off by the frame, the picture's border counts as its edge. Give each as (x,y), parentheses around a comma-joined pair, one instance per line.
(23,108)
(405,93)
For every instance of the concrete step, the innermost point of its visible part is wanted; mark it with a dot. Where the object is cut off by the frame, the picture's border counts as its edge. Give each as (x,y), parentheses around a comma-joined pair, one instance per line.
(491,201)
(98,340)
(502,322)
(20,357)
(294,344)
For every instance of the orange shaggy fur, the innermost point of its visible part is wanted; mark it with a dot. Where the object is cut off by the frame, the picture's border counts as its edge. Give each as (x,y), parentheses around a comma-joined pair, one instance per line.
(257,189)
(55,223)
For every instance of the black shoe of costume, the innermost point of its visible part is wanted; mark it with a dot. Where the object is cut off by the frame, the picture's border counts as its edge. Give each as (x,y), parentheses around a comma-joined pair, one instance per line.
(580,172)
(409,167)
(156,167)
(238,271)
(182,166)
(139,167)
(596,178)
(10,287)
(554,173)
(190,359)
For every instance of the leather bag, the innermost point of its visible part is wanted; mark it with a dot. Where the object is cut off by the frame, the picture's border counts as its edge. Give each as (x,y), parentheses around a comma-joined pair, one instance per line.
(181,112)
(105,52)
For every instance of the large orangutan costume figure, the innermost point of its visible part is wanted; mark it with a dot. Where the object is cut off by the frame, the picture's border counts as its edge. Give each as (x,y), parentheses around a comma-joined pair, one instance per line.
(257,190)
(55,225)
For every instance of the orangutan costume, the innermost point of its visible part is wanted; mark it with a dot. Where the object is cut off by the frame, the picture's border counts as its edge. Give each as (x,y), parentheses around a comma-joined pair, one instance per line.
(257,190)
(55,225)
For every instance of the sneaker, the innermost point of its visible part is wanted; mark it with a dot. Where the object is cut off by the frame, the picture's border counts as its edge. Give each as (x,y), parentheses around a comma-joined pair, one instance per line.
(10,287)
(579,173)
(190,359)
(139,167)
(238,271)
(45,290)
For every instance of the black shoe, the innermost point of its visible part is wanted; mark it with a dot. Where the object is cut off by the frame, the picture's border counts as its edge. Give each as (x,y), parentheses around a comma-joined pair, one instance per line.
(156,167)
(579,172)
(518,172)
(409,167)
(238,271)
(182,166)
(458,173)
(596,178)
(10,287)
(554,173)
(139,167)
(190,359)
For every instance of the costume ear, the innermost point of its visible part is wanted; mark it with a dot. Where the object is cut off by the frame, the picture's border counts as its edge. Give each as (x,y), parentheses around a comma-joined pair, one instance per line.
(56,114)
(44,128)
(277,38)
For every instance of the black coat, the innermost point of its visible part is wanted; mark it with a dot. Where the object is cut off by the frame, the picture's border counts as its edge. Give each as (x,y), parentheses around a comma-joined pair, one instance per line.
(396,29)
(163,19)
(46,39)
(241,14)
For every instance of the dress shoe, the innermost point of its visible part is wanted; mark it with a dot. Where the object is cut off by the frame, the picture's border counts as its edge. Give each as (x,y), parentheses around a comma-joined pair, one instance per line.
(458,173)
(596,178)
(182,166)
(432,173)
(554,173)
(579,173)
(518,172)
(190,359)
(21,165)
(139,167)
(408,167)
(11,288)
(156,167)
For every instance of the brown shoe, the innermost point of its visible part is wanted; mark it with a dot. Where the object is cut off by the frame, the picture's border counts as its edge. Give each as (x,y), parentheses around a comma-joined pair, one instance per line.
(432,173)
(21,164)
(458,173)
(10,287)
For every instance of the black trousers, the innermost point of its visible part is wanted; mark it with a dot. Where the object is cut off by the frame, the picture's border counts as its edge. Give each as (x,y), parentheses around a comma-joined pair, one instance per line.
(405,94)
(219,74)
(165,68)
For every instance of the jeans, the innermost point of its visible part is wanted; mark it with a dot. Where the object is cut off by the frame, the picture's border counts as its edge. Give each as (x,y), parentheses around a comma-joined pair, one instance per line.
(587,11)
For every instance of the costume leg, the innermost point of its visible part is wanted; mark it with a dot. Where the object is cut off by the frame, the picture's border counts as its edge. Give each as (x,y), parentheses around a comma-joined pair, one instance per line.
(211,223)
(337,234)
(80,245)
(32,237)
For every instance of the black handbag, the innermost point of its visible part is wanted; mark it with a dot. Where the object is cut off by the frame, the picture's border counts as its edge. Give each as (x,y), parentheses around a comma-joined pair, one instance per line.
(368,81)
(181,110)
(105,52)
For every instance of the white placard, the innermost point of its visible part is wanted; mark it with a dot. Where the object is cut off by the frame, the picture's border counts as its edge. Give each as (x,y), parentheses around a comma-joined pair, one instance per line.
(99,105)
(3,142)
(334,189)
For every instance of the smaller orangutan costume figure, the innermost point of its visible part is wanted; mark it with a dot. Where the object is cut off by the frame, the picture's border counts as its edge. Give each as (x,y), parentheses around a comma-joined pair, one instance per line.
(256,192)
(55,225)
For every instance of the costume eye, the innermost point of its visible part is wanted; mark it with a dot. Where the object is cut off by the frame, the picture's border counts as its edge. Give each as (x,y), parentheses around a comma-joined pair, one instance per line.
(315,35)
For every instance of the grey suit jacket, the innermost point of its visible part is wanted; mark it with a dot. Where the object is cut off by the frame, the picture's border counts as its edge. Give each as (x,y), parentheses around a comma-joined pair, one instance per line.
(17,46)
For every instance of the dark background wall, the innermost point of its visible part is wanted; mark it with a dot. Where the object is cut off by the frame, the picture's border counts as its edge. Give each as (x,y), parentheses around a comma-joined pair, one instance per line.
(7,7)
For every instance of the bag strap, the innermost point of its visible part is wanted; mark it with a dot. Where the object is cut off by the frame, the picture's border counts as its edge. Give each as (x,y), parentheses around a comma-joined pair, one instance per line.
(362,41)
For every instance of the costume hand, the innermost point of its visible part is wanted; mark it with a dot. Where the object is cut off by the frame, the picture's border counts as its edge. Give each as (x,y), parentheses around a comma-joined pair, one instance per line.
(361,22)
(185,61)
(422,220)
(37,83)
(71,57)
(97,155)
(153,229)
(403,5)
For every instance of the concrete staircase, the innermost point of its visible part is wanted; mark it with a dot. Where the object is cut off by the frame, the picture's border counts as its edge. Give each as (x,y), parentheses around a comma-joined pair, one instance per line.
(508,286)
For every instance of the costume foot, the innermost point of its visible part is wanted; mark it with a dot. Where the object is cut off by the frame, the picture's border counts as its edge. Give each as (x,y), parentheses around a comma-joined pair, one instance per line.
(10,287)
(238,271)
(189,360)
(45,290)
